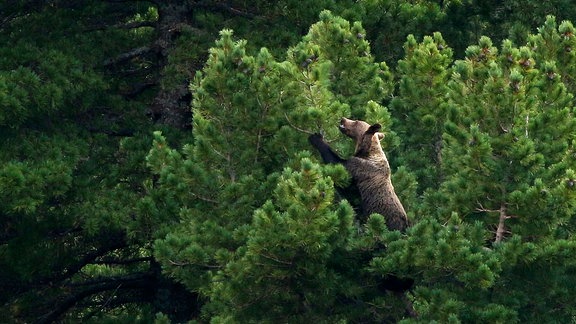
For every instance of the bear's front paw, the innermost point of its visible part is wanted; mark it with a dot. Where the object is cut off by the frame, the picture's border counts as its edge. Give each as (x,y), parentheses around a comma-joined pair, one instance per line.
(315,139)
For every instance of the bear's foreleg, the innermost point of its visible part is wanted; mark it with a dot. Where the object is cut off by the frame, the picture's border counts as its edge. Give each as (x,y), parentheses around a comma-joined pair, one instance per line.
(328,155)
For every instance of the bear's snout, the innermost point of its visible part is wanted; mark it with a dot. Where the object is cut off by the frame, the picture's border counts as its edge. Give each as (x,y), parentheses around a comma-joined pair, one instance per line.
(344,126)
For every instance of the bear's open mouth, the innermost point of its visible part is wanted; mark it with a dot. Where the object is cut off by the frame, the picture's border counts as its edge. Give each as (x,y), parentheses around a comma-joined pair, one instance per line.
(341,126)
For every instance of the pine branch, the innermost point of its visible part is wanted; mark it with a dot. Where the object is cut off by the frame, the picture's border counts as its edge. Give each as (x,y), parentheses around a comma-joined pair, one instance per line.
(114,302)
(128,55)
(129,282)
(408,304)
(275,259)
(130,25)
(61,232)
(183,264)
(71,270)
(117,242)
(225,8)
(296,127)
(107,280)
(5,20)
(206,199)
(110,261)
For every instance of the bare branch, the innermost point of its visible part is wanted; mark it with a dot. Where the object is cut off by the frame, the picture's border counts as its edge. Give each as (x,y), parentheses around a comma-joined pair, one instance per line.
(122,262)
(227,8)
(503,216)
(128,55)
(483,209)
(105,280)
(501,230)
(130,25)
(206,199)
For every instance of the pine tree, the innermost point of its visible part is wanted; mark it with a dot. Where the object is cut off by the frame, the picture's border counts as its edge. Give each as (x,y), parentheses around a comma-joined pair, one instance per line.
(72,152)
(504,211)
(82,86)
(389,22)
(259,237)
(508,167)
(419,109)
(510,140)
(555,43)
(286,270)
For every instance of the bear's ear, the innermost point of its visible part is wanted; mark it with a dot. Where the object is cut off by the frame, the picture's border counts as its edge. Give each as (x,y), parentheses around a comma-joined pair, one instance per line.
(380,135)
(373,129)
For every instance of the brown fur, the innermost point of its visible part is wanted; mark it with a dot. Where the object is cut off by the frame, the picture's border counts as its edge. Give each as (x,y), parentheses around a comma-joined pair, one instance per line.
(370,171)
(371,176)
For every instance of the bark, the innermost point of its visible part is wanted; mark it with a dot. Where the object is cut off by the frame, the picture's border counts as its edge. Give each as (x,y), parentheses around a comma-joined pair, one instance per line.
(501,230)
(171,106)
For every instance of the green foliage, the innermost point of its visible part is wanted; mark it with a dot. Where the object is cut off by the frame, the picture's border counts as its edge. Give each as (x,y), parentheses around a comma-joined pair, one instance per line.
(252,117)
(511,140)
(287,256)
(507,162)
(335,77)
(237,220)
(554,44)
(50,86)
(389,22)
(357,79)
(68,184)
(489,137)
(420,106)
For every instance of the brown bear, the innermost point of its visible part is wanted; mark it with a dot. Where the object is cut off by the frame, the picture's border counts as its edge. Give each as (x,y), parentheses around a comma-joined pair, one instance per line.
(369,169)
(370,173)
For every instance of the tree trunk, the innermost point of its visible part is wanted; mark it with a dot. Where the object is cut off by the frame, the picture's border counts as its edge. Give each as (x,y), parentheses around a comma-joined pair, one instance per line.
(171,106)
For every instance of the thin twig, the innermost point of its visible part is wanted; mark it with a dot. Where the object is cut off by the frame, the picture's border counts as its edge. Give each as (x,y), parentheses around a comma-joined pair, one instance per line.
(296,127)
(275,259)
(183,264)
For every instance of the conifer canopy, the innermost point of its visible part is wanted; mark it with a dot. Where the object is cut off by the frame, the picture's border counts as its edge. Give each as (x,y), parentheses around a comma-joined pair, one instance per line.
(155,164)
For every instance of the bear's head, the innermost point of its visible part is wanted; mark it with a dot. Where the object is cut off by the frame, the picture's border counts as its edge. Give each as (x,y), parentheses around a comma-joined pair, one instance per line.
(357,129)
